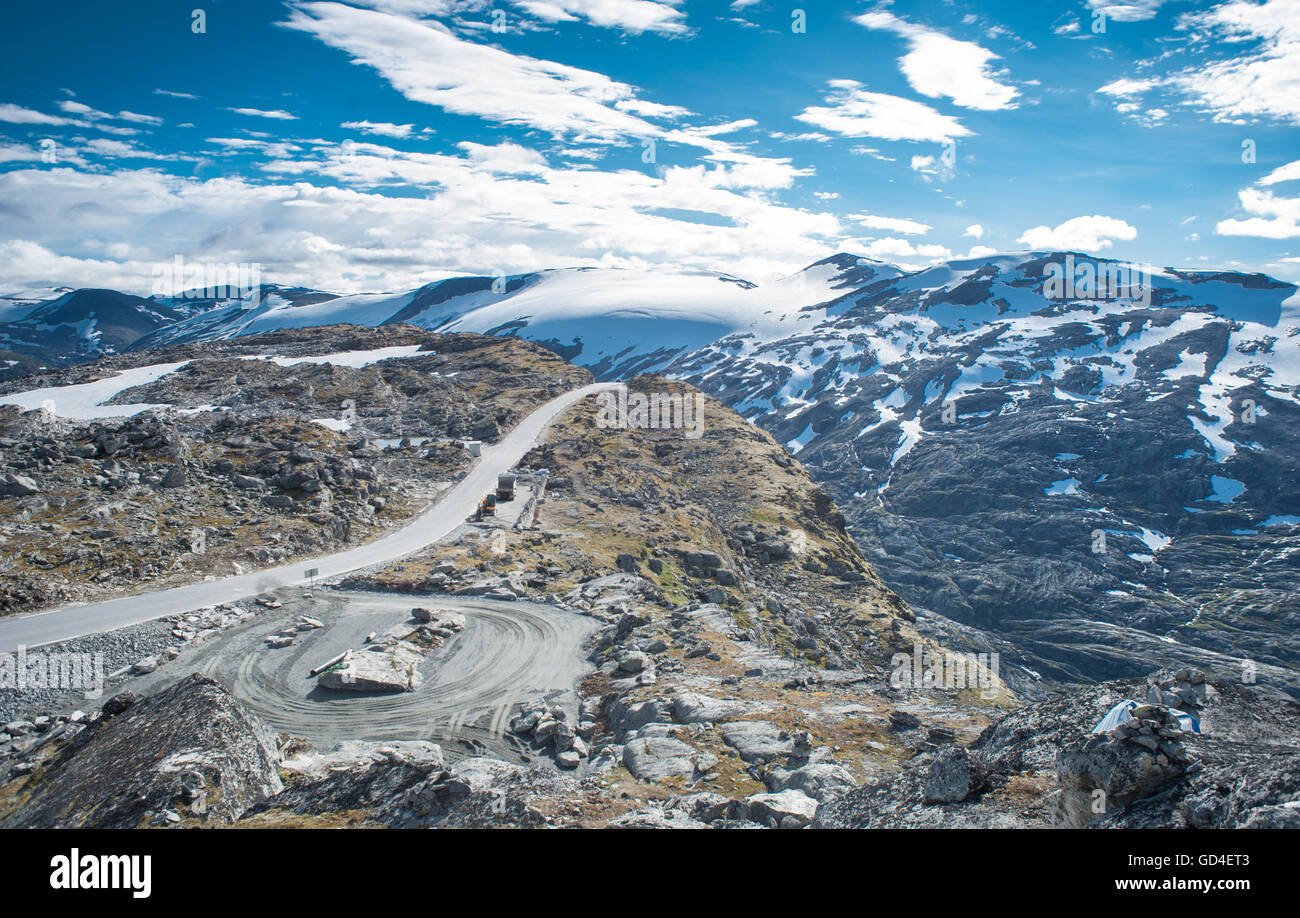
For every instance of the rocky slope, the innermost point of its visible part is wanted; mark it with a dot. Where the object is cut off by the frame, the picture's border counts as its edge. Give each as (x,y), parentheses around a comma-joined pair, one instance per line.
(749,670)
(124,767)
(220,458)
(741,670)
(1041,766)
(1106,484)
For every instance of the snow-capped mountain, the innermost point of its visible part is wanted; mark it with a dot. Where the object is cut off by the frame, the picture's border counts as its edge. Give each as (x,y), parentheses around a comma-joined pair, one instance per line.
(1096,480)
(615,322)
(58,325)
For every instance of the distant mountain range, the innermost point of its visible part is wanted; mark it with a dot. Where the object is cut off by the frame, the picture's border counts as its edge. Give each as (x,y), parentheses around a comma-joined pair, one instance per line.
(1096,485)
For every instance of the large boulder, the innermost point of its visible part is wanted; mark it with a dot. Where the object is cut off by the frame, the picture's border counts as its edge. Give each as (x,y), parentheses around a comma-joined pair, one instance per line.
(708,560)
(757,740)
(654,758)
(1140,757)
(623,717)
(822,781)
(787,809)
(693,708)
(391,668)
(634,661)
(18,486)
(655,818)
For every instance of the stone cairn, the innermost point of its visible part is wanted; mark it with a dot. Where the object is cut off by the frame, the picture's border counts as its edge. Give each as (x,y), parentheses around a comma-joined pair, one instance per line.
(1184,689)
(1155,729)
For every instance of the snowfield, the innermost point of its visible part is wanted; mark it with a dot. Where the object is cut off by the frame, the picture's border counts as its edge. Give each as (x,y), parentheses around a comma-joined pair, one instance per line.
(86,401)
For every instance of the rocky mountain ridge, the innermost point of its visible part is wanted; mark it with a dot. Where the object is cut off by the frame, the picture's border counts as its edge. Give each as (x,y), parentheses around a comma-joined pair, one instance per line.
(1096,485)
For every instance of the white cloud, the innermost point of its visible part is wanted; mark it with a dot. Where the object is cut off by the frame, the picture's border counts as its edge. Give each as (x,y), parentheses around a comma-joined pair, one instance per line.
(118,149)
(633,16)
(852,111)
(651,109)
(275,149)
(1264,82)
(37,261)
(939,66)
(32,153)
(419,8)
(1127,87)
(380,128)
(174,95)
(933,167)
(1086,234)
(85,111)
(975,231)
(1257,76)
(897,251)
(892,224)
(276,114)
(729,127)
(1274,217)
(1288,173)
(329,217)
(427,63)
(1129,11)
(16,114)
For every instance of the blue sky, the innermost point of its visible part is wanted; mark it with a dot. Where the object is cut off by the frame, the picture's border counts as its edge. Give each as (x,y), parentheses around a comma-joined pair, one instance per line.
(379,145)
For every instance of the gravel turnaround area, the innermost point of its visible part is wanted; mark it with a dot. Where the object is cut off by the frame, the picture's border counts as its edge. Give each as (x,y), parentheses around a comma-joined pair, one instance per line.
(508,652)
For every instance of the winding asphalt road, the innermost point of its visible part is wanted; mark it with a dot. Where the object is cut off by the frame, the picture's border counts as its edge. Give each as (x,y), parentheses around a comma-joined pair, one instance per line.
(433,524)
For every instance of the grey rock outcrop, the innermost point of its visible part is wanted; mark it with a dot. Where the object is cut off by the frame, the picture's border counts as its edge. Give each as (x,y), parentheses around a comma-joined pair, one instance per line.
(167,752)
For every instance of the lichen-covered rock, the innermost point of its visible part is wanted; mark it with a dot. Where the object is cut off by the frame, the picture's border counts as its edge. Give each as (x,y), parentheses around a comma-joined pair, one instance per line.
(1242,770)
(1105,772)
(952,776)
(757,740)
(693,708)
(403,791)
(656,758)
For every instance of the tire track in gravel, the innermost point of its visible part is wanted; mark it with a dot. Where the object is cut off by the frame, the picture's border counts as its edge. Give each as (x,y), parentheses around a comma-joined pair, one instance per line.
(508,652)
